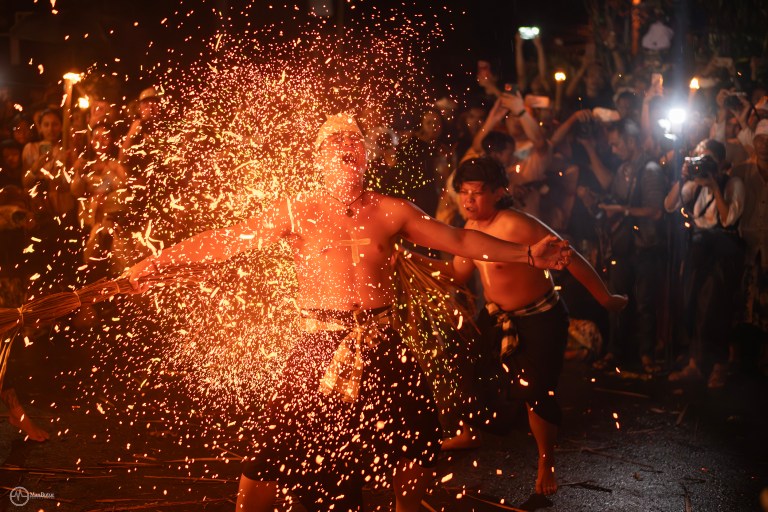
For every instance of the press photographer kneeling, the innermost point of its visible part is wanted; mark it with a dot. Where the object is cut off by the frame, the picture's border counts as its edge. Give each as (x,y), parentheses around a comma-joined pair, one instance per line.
(712,203)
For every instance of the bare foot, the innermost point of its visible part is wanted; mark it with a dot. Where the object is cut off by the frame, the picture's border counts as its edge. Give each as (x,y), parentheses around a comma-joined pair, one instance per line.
(467,440)
(19,419)
(546,483)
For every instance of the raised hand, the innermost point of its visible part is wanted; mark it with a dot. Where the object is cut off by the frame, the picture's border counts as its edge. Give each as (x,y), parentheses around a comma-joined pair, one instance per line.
(615,303)
(550,253)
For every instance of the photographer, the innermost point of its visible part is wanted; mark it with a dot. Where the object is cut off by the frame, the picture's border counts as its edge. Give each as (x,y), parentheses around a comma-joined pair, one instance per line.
(713,203)
(636,246)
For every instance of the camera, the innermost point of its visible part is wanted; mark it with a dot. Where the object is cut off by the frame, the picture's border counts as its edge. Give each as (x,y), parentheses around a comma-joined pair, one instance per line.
(732,101)
(701,166)
(528,32)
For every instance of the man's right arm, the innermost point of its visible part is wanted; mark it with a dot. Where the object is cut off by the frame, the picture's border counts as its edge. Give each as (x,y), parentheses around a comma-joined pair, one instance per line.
(217,245)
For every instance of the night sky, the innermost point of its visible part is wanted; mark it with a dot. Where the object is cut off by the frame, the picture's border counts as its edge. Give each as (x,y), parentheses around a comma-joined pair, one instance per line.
(131,31)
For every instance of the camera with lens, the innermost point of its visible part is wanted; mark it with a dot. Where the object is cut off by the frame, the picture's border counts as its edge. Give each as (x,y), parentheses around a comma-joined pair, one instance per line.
(701,166)
(733,101)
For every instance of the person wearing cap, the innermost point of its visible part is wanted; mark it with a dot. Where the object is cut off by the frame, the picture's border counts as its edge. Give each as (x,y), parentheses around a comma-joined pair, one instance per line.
(141,128)
(754,230)
(353,400)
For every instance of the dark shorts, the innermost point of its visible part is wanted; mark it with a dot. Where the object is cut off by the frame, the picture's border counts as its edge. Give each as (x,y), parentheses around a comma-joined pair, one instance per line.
(324,449)
(529,375)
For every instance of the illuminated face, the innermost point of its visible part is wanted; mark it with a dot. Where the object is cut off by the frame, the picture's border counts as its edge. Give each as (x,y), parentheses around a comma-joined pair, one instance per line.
(478,201)
(50,127)
(342,157)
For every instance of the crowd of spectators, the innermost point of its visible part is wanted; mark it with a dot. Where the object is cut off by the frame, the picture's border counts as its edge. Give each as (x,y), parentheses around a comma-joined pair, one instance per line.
(672,211)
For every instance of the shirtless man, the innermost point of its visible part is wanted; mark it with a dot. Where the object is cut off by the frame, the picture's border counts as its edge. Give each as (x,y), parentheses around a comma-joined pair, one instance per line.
(525,324)
(372,398)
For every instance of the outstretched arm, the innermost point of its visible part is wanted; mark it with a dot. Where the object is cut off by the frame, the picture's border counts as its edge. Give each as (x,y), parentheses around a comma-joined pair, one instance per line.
(587,276)
(460,269)
(217,244)
(421,229)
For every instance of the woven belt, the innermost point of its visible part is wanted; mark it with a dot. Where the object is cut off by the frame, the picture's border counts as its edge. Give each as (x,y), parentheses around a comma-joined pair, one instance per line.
(345,371)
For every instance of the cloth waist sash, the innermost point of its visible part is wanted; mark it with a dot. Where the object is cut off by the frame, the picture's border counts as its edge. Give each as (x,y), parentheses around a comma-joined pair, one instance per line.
(509,339)
(345,371)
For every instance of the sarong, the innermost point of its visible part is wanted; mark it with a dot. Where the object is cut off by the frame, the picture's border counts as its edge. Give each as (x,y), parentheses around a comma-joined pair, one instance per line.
(324,448)
(520,360)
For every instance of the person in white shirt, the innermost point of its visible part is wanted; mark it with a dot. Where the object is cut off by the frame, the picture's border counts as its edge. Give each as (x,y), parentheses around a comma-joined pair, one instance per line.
(713,203)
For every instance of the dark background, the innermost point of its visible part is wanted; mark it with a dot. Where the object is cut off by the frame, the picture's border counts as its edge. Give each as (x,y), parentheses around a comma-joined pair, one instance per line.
(129,37)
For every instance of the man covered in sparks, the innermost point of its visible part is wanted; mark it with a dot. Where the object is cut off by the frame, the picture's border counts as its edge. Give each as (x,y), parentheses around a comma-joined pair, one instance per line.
(354,404)
(524,325)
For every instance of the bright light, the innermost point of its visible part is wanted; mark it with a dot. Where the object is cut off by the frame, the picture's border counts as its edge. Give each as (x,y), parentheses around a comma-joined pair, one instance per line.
(560,76)
(694,83)
(73,77)
(83,102)
(677,115)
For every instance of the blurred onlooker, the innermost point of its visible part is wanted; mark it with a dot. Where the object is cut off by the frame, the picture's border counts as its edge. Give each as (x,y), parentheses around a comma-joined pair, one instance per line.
(713,203)
(21,130)
(634,210)
(97,182)
(45,163)
(10,165)
(627,104)
(754,229)
(138,139)
(590,86)
(421,164)
(539,84)
(468,125)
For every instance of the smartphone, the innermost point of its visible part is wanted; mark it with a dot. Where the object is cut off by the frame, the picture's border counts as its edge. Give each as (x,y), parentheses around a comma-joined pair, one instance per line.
(528,32)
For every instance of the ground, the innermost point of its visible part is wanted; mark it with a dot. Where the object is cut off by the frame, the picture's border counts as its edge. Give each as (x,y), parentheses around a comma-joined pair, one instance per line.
(686,449)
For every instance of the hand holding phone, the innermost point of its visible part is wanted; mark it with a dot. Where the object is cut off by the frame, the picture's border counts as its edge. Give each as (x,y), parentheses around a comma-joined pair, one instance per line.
(528,32)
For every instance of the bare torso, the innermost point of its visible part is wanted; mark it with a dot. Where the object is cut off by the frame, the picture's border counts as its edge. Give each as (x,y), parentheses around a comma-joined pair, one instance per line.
(342,262)
(512,285)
